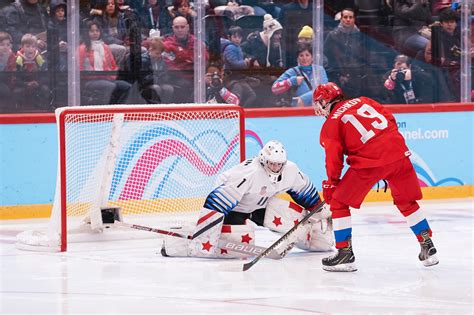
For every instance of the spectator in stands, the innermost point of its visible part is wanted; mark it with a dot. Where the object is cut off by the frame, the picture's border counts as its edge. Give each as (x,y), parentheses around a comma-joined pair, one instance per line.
(155,85)
(57,36)
(232,9)
(347,55)
(410,23)
(95,55)
(439,5)
(262,7)
(25,16)
(56,54)
(234,61)
(113,22)
(295,14)
(30,88)
(305,35)
(436,89)
(180,8)
(406,83)
(296,7)
(7,67)
(300,79)
(449,50)
(179,56)
(265,48)
(155,17)
(232,53)
(216,91)
(112,28)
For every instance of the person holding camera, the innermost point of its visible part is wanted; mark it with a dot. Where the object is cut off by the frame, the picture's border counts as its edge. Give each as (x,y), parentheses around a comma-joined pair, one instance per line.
(404,82)
(216,92)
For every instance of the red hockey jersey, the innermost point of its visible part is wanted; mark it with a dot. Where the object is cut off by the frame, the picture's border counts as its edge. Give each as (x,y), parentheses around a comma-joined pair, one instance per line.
(364,131)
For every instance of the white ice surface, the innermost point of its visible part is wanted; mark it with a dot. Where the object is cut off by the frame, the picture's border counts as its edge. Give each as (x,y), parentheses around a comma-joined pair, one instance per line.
(119,277)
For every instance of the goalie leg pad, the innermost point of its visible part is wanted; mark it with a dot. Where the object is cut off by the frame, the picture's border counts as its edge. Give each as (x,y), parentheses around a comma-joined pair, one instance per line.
(206,235)
(176,246)
(235,237)
(281,215)
(239,236)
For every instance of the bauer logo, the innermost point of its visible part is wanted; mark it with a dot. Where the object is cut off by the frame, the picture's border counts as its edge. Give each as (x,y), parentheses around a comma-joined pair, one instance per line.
(243,248)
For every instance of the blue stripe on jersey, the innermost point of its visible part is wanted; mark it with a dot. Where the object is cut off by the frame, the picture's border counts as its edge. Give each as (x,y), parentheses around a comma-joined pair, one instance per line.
(420,227)
(342,235)
(219,202)
(308,197)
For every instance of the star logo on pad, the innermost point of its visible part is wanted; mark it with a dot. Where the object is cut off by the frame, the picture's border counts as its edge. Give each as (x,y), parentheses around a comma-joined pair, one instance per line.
(246,238)
(223,251)
(206,246)
(296,221)
(277,221)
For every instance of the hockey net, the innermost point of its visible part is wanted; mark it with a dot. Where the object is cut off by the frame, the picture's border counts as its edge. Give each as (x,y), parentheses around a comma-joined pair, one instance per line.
(156,163)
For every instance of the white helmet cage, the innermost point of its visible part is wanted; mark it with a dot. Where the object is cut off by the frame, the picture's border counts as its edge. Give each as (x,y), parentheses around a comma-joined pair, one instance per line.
(272,152)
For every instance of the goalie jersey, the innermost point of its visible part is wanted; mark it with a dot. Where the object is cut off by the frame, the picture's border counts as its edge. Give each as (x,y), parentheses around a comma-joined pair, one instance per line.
(246,188)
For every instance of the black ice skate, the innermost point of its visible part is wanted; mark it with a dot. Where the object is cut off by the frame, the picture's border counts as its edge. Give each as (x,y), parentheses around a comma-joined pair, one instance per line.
(428,251)
(343,260)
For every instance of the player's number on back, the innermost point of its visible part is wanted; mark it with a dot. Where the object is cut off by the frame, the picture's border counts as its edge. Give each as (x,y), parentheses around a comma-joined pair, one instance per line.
(366,111)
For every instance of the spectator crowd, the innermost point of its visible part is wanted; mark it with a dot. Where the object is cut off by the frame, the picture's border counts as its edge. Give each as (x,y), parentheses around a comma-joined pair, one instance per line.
(257,53)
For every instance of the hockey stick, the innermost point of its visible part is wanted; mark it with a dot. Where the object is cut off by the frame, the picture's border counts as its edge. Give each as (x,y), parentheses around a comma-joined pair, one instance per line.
(285,236)
(250,250)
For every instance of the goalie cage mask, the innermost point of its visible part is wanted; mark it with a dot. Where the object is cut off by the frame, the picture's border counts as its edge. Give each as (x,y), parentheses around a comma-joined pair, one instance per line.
(273,152)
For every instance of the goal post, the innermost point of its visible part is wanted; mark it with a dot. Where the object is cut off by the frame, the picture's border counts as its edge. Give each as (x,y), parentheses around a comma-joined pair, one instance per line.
(156,163)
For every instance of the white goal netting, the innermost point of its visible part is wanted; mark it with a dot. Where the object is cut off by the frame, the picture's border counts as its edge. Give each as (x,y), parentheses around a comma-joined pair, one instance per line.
(156,163)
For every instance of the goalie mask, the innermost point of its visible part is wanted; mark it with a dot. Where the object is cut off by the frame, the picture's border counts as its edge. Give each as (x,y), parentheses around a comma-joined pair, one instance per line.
(324,97)
(272,157)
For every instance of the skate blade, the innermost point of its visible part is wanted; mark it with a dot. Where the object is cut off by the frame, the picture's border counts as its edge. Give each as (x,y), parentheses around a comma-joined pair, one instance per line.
(430,261)
(341,268)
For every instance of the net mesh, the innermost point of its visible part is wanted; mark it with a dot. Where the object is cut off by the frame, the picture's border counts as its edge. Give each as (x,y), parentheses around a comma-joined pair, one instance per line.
(157,165)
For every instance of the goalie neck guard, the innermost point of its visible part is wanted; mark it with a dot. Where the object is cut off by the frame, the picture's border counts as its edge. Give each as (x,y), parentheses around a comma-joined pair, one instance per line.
(273,158)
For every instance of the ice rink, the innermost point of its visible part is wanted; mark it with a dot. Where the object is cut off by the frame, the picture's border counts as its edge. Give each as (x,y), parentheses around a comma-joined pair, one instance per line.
(131,277)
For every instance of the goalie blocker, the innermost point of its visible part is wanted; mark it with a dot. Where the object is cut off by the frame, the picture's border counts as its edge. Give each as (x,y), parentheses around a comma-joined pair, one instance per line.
(279,216)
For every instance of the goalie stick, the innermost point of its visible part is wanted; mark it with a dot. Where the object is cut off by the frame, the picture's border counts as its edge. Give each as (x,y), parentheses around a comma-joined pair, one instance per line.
(285,236)
(250,250)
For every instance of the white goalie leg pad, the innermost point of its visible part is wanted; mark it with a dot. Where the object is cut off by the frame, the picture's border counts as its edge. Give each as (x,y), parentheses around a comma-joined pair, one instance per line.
(240,235)
(206,234)
(319,236)
(281,215)
(176,246)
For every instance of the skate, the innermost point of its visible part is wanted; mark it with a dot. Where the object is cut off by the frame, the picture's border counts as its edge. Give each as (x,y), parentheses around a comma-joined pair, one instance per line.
(342,261)
(427,255)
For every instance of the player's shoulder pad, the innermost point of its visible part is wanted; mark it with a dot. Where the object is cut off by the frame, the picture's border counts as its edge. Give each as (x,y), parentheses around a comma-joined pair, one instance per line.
(246,169)
(290,170)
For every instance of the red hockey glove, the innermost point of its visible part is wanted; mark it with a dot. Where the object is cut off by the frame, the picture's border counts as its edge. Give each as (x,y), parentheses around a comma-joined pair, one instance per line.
(328,190)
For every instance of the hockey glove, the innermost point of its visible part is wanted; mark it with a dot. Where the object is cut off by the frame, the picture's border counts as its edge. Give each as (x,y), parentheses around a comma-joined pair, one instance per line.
(328,190)
(324,214)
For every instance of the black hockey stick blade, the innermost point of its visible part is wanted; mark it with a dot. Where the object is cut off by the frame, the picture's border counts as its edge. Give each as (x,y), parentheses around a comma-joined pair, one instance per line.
(285,236)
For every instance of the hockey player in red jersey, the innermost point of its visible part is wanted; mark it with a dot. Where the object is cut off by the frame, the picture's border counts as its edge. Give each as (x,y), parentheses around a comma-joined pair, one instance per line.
(367,133)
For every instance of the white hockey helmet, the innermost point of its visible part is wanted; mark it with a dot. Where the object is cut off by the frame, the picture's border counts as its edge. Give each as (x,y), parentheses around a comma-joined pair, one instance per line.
(272,157)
